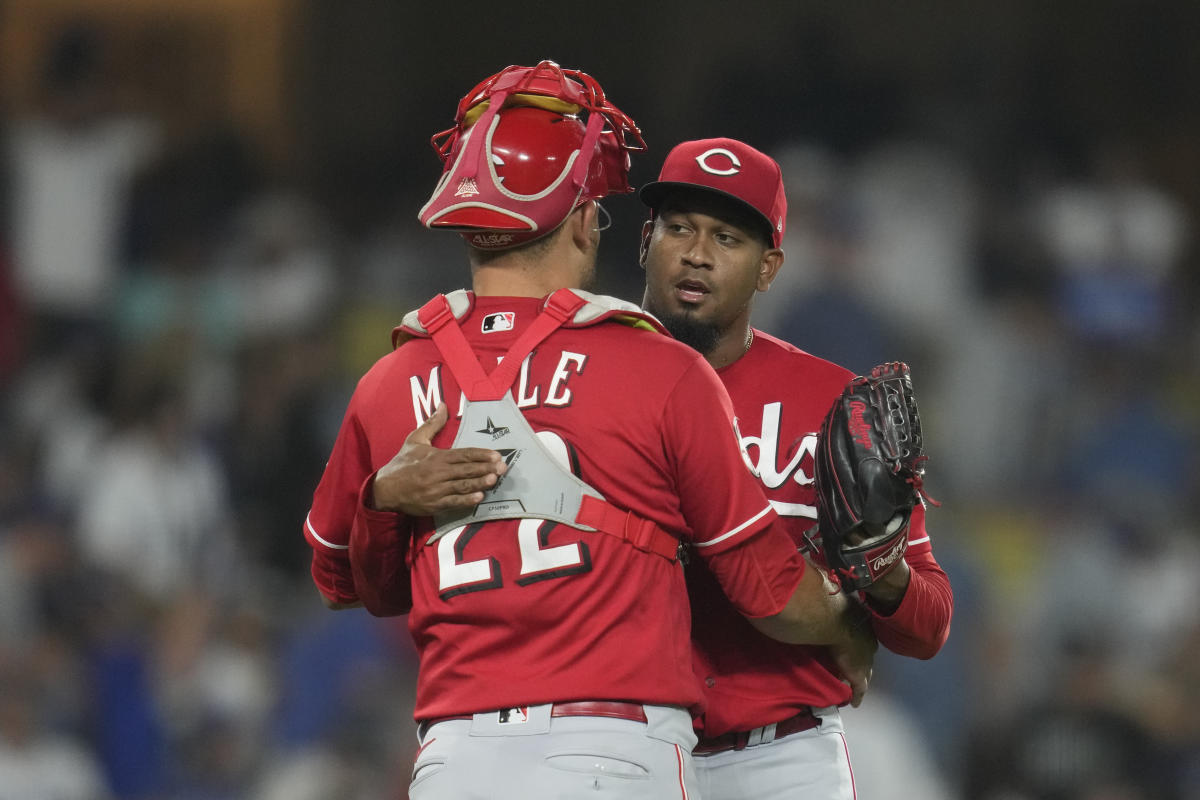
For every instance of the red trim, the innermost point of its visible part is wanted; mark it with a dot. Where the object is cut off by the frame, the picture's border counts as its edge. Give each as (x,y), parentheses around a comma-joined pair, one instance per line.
(846,750)
(683,792)
(422,748)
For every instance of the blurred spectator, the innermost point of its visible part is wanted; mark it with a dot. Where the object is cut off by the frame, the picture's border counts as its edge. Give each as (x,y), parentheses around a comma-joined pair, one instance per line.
(919,216)
(155,510)
(993,402)
(12,341)
(217,686)
(59,409)
(1115,240)
(72,164)
(276,447)
(279,263)
(127,725)
(35,762)
(1071,740)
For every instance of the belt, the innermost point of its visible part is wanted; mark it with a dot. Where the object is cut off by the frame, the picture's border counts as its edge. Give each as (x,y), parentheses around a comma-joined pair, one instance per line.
(634,712)
(740,740)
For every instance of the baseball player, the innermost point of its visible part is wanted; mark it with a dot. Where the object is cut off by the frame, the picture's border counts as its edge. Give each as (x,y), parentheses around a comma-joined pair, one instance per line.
(771,727)
(549,613)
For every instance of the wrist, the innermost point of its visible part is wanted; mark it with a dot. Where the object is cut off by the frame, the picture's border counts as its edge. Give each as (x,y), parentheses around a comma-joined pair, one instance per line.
(886,594)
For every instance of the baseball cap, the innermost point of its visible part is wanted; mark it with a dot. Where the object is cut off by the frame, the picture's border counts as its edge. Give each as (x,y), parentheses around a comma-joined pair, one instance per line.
(727,167)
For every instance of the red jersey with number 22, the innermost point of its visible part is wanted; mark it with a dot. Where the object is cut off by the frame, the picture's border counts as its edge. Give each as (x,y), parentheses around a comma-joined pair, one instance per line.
(520,612)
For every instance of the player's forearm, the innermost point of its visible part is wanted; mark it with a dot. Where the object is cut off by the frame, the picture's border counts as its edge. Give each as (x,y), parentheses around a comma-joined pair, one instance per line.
(816,613)
(919,626)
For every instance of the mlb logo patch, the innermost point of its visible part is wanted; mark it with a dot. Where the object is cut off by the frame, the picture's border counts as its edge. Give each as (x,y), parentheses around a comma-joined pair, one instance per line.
(513,716)
(500,321)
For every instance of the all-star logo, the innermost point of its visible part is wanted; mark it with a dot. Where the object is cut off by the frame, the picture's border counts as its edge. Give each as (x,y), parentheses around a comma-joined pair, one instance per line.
(466,188)
(510,456)
(491,239)
(493,429)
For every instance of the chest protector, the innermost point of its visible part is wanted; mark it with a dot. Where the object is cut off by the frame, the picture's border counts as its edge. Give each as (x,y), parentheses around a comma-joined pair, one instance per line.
(537,484)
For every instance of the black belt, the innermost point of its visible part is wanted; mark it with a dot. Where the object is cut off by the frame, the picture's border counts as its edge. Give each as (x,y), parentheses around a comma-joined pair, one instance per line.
(739,740)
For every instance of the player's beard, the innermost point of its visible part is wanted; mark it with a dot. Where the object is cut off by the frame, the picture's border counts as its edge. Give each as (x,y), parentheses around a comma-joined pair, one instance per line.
(697,334)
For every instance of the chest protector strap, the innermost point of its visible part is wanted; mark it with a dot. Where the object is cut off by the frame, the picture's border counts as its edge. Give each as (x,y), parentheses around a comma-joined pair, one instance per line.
(537,484)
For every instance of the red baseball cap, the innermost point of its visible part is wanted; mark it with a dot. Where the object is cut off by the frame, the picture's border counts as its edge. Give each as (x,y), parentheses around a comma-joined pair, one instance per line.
(727,167)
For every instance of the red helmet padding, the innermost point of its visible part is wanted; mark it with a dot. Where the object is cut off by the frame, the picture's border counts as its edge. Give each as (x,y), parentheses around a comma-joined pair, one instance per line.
(522,169)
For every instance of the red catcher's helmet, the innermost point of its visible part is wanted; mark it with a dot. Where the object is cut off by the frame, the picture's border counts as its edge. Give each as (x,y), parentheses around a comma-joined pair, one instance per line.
(520,157)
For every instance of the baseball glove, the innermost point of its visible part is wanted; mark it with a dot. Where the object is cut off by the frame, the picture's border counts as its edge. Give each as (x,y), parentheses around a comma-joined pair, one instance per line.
(869,475)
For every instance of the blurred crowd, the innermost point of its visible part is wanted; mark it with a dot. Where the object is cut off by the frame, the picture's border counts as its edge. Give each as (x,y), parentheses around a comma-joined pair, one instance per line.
(180,332)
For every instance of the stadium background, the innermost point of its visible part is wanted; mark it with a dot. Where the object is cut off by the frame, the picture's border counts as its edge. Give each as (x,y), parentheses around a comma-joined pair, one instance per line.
(1005,195)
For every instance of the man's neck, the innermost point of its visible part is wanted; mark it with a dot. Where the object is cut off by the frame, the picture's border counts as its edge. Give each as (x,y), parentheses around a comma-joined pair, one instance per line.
(732,345)
(519,280)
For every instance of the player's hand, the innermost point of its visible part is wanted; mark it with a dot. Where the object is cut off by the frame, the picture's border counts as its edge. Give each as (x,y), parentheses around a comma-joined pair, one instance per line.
(421,479)
(854,655)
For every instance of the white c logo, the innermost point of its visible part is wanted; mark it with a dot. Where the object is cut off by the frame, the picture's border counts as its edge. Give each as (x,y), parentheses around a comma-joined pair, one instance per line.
(719,151)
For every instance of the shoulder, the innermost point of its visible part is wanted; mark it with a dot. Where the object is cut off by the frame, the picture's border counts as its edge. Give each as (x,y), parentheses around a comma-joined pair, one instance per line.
(772,353)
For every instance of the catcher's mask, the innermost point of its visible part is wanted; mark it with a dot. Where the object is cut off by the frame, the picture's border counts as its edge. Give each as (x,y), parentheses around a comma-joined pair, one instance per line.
(520,157)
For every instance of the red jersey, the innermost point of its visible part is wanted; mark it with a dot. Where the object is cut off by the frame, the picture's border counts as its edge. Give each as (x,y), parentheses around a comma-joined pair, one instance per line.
(519,612)
(780,396)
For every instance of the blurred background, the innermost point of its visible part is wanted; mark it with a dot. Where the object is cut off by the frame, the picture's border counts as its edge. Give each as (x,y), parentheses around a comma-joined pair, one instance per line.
(209,230)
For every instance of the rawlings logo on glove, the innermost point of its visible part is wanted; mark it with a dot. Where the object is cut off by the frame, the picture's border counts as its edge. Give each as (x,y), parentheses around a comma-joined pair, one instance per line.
(869,475)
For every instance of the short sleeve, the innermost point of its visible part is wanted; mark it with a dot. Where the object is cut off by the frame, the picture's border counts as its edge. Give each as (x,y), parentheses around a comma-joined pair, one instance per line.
(721,501)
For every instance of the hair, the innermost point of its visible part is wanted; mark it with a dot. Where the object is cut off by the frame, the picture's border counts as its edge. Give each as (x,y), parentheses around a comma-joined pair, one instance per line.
(530,251)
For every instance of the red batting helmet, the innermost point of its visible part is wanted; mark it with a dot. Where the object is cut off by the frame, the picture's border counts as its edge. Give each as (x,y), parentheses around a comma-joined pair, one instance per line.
(520,158)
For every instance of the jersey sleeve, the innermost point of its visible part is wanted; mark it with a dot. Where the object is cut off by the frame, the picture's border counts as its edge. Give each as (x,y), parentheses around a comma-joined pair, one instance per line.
(921,623)
(721,502)
(759,575)
(734,528)
(380,542)
(335,503)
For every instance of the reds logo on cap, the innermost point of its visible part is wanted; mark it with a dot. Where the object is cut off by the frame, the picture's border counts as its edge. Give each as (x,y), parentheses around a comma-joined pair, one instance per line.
(727,167)
(734,167)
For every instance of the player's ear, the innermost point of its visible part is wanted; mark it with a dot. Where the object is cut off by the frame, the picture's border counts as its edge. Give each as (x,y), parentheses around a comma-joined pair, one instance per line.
(644,247)
(584,226)
(768,268)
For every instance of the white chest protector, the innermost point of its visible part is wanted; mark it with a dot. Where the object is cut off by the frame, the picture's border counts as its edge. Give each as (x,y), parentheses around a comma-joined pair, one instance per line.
(537,484)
